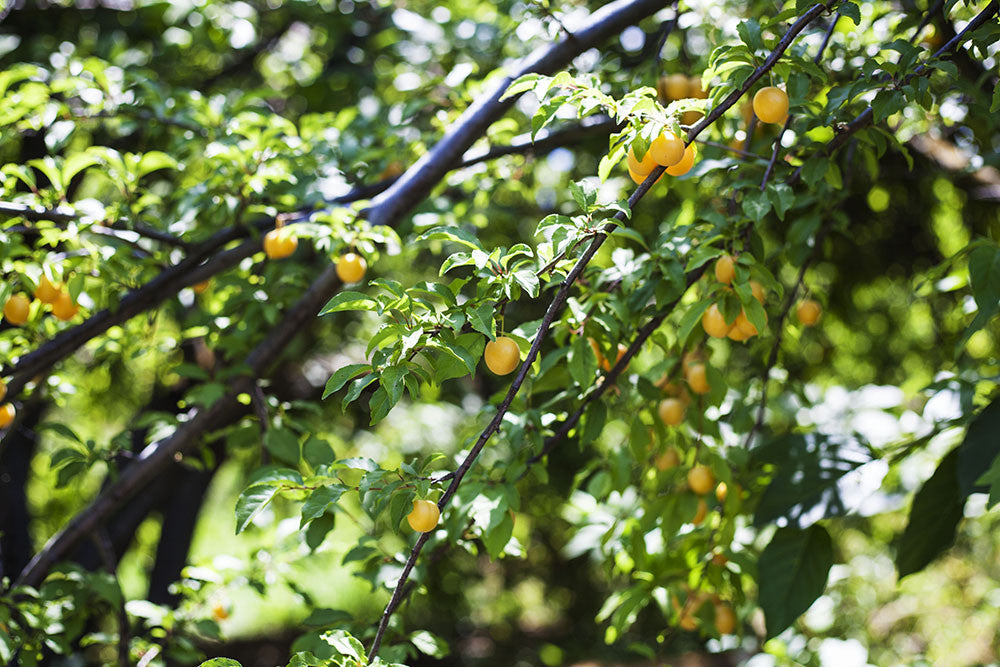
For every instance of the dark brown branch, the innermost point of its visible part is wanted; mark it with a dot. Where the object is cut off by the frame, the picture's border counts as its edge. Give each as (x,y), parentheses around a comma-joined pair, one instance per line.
(160,455)
(417,182)
(107,552)
(612,376)
(556,306)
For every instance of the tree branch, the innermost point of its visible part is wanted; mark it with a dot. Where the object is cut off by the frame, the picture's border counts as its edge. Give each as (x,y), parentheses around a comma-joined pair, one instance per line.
(557,303)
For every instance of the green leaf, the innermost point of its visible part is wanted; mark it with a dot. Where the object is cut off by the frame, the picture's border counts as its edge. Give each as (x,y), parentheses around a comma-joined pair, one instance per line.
(522,84)
(498,536)
(456,234)
(319,501)
(318,529)
(756,205)
(594,419)
(430,644)
(283,445)
(984,275)
(886,103)
(690,320)
(582,362)
(815,169)
(348,300)
(357,386)
(345,644)
(980,448)
(481,319)
(154,161)
(851,11)
(251,502)
(399,506)
(792,573)
(341,376)
(750,33)
(527,279)
(220,662)
(937,509)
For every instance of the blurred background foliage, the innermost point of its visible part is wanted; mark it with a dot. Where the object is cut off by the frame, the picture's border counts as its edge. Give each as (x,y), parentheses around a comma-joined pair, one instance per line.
(364,88)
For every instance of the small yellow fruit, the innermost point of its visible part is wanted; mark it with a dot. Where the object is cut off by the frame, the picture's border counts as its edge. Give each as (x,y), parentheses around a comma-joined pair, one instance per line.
(684,166)
(697,379)
(601,361)
(16,309)
(606,365)
(758,290)
(65,308)
(771,104)
(667,149)
(3,389)
(279,243)
(701,479)
(640,167)
(725,269)
(721,491)
(424,516)
(699,515)
(745,326)
(638,178)
(676,87)
(502,355)
(691,117)
(199,288)
(671,411)
(351,268)
(808,312)
(714,322)
(695,89)
(47,291)
(725,619)
(668,459)
(220,613)
(737,334)
(7,413)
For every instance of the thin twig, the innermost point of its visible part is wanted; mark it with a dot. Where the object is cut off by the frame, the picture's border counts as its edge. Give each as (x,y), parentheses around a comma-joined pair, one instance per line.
(107,553)
(788,121)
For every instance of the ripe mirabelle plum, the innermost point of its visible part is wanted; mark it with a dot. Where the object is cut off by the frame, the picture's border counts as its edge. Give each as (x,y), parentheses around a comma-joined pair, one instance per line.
(47,291)
(676,87)
(638,178)
(808,312)
(714,322)
(424,516)
(695,88)
(701,479)
(640,167)
(502,355)
(725,269)
(697,379)
(3,389)
(351,268)
(16,309)
(725,619)
(684,166)
(668,459)
(745,326)
(758,290)
(280,242)
(771,104)
(721,491)
(700,514)
(667,149)
(7,413)
(65,308)
(671,411)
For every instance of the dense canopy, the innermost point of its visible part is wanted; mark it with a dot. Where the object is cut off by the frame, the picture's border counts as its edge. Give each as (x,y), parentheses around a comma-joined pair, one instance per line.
(499,333)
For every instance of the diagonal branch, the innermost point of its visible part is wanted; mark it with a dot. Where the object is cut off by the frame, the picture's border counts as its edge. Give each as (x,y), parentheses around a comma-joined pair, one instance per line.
(557,303)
